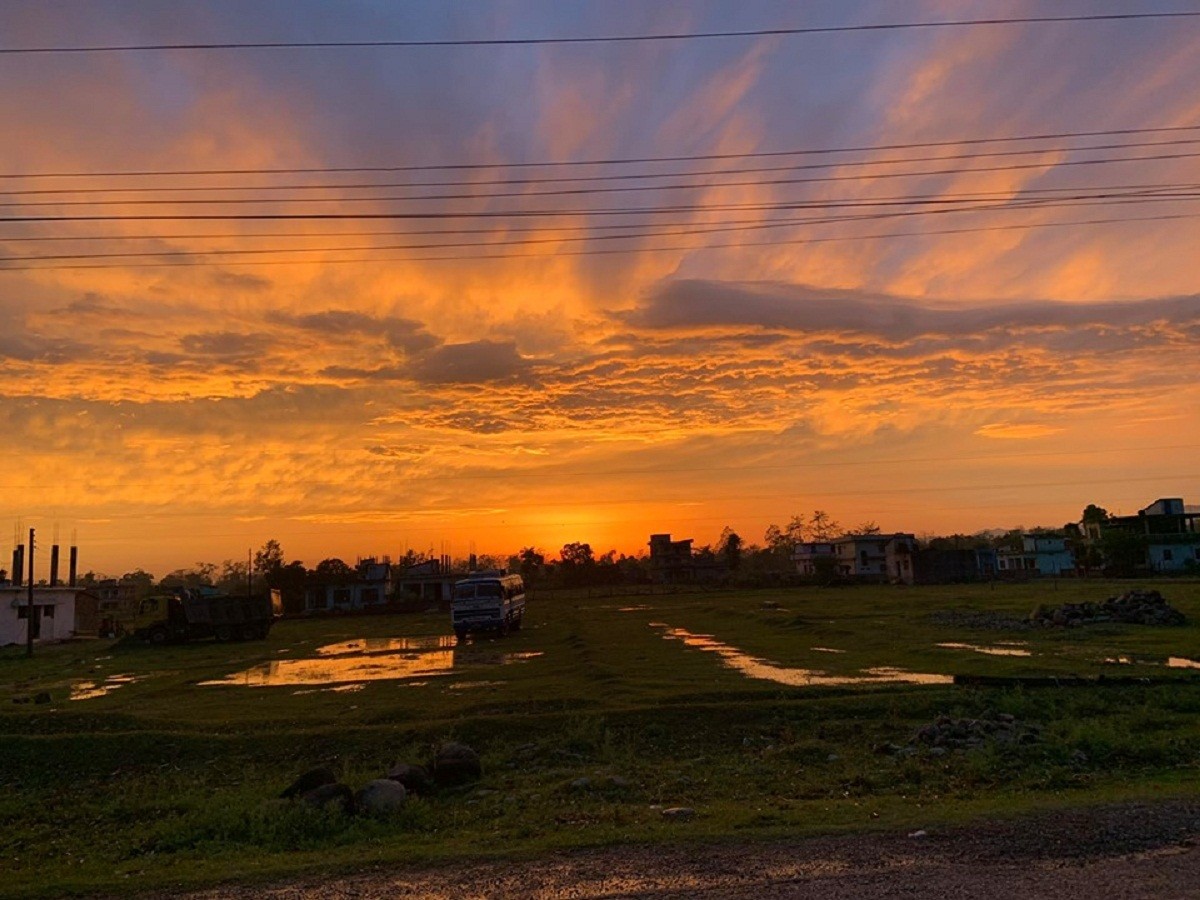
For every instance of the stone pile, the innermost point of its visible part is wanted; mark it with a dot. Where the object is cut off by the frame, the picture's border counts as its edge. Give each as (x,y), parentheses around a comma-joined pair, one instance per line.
(947,733)
(452,766)
(1131,607)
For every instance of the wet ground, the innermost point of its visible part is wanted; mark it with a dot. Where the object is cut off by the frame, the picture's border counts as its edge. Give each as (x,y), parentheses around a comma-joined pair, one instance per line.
(753,667)
(1116,853)
(350,664)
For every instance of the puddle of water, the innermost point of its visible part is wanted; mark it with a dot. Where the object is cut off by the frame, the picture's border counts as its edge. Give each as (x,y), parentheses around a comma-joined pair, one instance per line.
(472,685)
(641,608)
(89,690)
(826,650)
(994,650)
(350,668)
(389,645)
(336,689)
(1171,662)
(768,671)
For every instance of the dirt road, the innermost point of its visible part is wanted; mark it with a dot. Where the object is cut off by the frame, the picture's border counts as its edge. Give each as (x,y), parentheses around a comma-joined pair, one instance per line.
(1115,853)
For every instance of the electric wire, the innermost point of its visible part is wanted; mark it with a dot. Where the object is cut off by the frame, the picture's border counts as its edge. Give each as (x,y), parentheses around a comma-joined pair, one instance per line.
(602,39)
(635,176)
(611,161)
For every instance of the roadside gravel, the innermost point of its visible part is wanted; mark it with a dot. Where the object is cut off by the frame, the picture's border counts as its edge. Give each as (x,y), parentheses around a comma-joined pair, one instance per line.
(1119,852)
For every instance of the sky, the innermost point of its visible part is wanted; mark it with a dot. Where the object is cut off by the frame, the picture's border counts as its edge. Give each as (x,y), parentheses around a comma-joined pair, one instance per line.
(951,354)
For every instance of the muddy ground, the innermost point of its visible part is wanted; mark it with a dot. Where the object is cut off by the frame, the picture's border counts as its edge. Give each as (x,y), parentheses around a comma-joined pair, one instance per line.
(1115,852)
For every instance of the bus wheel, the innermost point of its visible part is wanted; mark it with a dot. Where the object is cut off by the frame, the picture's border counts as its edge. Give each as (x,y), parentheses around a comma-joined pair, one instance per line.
(516,624)
(223,633)
(158,635)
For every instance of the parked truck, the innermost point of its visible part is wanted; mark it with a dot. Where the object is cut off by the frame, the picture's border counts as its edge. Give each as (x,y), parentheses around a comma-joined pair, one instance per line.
(194,614)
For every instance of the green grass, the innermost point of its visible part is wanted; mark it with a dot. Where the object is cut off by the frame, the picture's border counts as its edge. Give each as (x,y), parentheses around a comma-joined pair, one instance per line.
(166,782)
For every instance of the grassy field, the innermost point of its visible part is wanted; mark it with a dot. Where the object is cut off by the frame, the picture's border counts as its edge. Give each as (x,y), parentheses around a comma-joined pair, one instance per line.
(155,778)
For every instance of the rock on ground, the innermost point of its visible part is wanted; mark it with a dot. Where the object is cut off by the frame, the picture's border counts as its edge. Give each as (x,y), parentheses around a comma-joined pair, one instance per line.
(381,797)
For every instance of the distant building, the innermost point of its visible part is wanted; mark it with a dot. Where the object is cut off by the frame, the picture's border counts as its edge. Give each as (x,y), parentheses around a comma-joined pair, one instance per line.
(1040,554)
(115,596)
(876,557)
(1169,529)
(58,613)
(860,557)
(370,587)
(427,583)
(671,561)
(815,558)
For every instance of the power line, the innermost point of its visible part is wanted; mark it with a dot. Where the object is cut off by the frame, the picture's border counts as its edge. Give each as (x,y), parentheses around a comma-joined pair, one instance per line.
(1149,187)
(634,176)
(496,214)
(591,191)
(612,161)
(608,252)
(636,235)
(597,39)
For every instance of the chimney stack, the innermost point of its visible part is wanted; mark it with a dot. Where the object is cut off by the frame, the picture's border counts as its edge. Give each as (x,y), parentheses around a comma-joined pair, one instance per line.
(53,565)
(18,565)
(73,566)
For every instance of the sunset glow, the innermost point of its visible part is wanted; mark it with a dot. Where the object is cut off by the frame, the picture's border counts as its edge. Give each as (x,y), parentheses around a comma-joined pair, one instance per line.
(360,398)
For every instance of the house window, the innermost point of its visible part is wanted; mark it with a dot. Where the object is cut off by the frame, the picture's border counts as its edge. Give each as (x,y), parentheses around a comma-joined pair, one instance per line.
(47,612)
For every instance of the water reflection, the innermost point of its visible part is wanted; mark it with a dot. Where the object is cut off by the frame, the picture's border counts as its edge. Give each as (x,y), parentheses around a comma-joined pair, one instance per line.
(826,650)
(89,690)
(389,645)
(1010,649)
(768,671)
(374,659)
(1171,662)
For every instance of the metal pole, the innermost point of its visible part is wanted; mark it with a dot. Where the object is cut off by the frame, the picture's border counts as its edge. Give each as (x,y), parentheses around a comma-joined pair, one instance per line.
(29,602)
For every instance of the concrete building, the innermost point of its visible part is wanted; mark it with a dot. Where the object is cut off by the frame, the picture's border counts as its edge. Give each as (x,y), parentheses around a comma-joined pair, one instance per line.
(430,583)
(671,561)
(1040,554)
(369,588)
(860,557)
(58,613)
(1169,528)
(815,558)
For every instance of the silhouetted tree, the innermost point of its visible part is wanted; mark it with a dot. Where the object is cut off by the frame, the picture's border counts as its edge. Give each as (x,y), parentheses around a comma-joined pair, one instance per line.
(333,571)
(822,526)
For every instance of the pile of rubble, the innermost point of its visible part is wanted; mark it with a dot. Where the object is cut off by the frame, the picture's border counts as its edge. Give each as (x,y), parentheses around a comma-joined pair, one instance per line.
(947,733)
(1132,607)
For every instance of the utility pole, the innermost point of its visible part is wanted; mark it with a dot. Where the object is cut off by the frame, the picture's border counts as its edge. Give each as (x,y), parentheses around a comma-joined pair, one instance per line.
(29,602)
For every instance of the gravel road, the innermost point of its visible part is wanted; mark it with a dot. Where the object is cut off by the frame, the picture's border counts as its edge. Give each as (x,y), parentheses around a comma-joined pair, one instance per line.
(1115,853)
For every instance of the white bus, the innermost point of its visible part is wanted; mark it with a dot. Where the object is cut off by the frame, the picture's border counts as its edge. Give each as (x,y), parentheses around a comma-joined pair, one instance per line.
(488,603)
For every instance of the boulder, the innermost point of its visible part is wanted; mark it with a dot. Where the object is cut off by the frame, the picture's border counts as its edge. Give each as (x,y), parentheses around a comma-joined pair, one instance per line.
(331,796)
(415,779)
(456,764)
(381,797)
(310,780)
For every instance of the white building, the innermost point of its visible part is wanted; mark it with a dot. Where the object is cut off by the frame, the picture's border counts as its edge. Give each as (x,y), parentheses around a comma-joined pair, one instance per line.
(58,613)
(1040,554)
(863,557)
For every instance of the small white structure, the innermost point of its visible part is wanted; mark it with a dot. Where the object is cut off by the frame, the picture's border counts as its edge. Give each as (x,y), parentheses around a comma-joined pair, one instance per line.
(58,613)
(1040,554)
